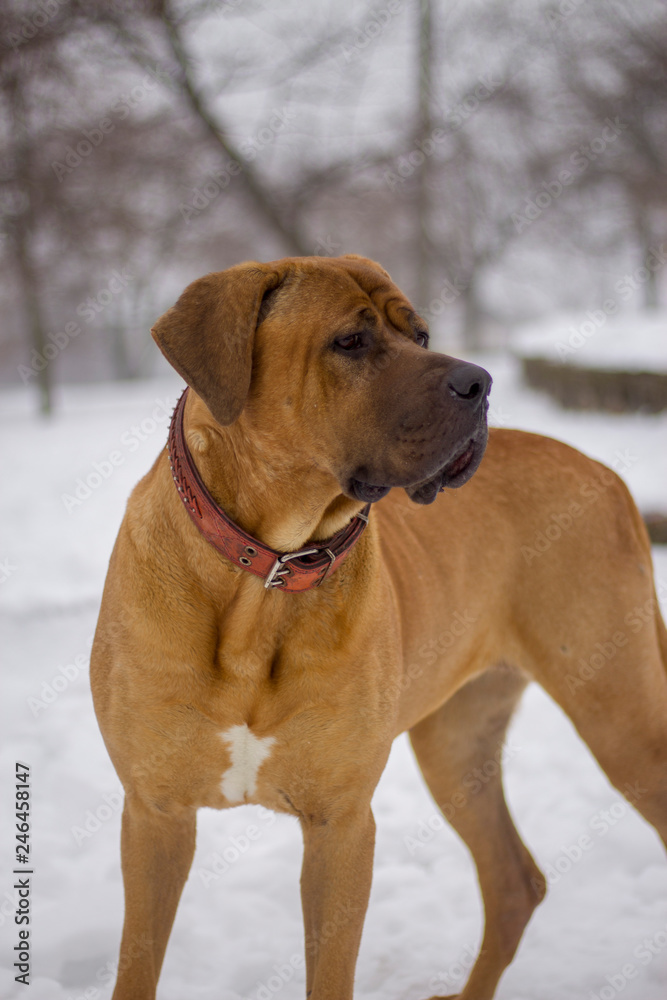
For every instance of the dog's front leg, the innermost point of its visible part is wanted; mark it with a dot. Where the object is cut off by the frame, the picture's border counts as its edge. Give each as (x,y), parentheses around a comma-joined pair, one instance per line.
(335,886)
(157,848)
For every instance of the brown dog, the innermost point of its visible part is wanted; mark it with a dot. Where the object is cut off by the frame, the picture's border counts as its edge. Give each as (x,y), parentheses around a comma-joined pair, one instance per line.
(311,396)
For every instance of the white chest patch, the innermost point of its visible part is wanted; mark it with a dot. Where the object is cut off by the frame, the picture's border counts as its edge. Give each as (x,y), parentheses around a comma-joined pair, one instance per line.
(247,752)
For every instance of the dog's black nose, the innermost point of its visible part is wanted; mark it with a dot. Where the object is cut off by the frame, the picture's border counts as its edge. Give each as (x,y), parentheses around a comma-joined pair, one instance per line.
(469,382)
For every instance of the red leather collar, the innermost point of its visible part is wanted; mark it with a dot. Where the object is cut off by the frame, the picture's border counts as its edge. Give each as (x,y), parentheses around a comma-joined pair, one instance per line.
(289,571)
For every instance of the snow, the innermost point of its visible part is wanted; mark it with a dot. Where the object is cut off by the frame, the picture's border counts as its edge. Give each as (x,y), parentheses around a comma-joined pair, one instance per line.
(629,341)
(238,932)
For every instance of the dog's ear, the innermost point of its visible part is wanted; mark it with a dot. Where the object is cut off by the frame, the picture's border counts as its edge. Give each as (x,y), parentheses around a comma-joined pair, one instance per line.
(208,335)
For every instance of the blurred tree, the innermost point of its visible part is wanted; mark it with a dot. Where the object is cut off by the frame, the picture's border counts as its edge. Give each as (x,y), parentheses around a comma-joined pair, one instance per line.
(613,60)
(422,142)
(166,18)
(116,180)
(26,194)
(145,139)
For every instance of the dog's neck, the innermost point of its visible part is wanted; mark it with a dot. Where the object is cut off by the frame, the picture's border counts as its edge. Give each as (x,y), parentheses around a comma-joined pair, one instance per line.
(282,499)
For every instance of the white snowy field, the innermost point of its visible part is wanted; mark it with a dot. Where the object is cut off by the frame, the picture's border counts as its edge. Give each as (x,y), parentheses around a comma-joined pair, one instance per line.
(600,338)
(238,933)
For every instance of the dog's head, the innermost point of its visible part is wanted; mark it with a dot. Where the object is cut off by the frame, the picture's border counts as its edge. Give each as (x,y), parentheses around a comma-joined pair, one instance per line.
(330,355)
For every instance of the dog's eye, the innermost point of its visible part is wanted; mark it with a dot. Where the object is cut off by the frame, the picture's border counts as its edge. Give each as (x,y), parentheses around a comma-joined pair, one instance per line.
(351,342)
(422,339)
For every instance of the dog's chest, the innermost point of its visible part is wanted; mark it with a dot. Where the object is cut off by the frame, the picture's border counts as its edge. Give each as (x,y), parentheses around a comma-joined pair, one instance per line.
(247,752)
(286,716)
(285,752)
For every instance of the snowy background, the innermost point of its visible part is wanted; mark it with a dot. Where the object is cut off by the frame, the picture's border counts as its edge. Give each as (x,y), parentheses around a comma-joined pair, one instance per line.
(506,161)
(238,932)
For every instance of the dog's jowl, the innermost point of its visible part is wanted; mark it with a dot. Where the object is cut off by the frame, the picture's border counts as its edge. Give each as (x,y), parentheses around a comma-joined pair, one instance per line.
(284,581)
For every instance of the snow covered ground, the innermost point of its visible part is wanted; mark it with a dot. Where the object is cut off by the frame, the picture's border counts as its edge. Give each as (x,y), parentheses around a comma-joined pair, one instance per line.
(627,341)
(238,933)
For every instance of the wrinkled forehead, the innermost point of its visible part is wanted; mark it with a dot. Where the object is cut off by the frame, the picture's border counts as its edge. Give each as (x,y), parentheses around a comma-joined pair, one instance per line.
(337,289)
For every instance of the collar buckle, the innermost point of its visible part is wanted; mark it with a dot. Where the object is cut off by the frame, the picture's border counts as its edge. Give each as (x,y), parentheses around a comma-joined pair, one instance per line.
(279,571)
(229,540)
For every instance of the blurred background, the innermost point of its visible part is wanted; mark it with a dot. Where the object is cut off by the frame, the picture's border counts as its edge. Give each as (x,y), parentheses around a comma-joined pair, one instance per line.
(506,161)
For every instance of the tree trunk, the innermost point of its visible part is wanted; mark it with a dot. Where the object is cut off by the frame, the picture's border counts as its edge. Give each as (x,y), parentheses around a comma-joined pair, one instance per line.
(422,146)
(472,317)
(34,321)
(261,195)
(23,228)
(646,243)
